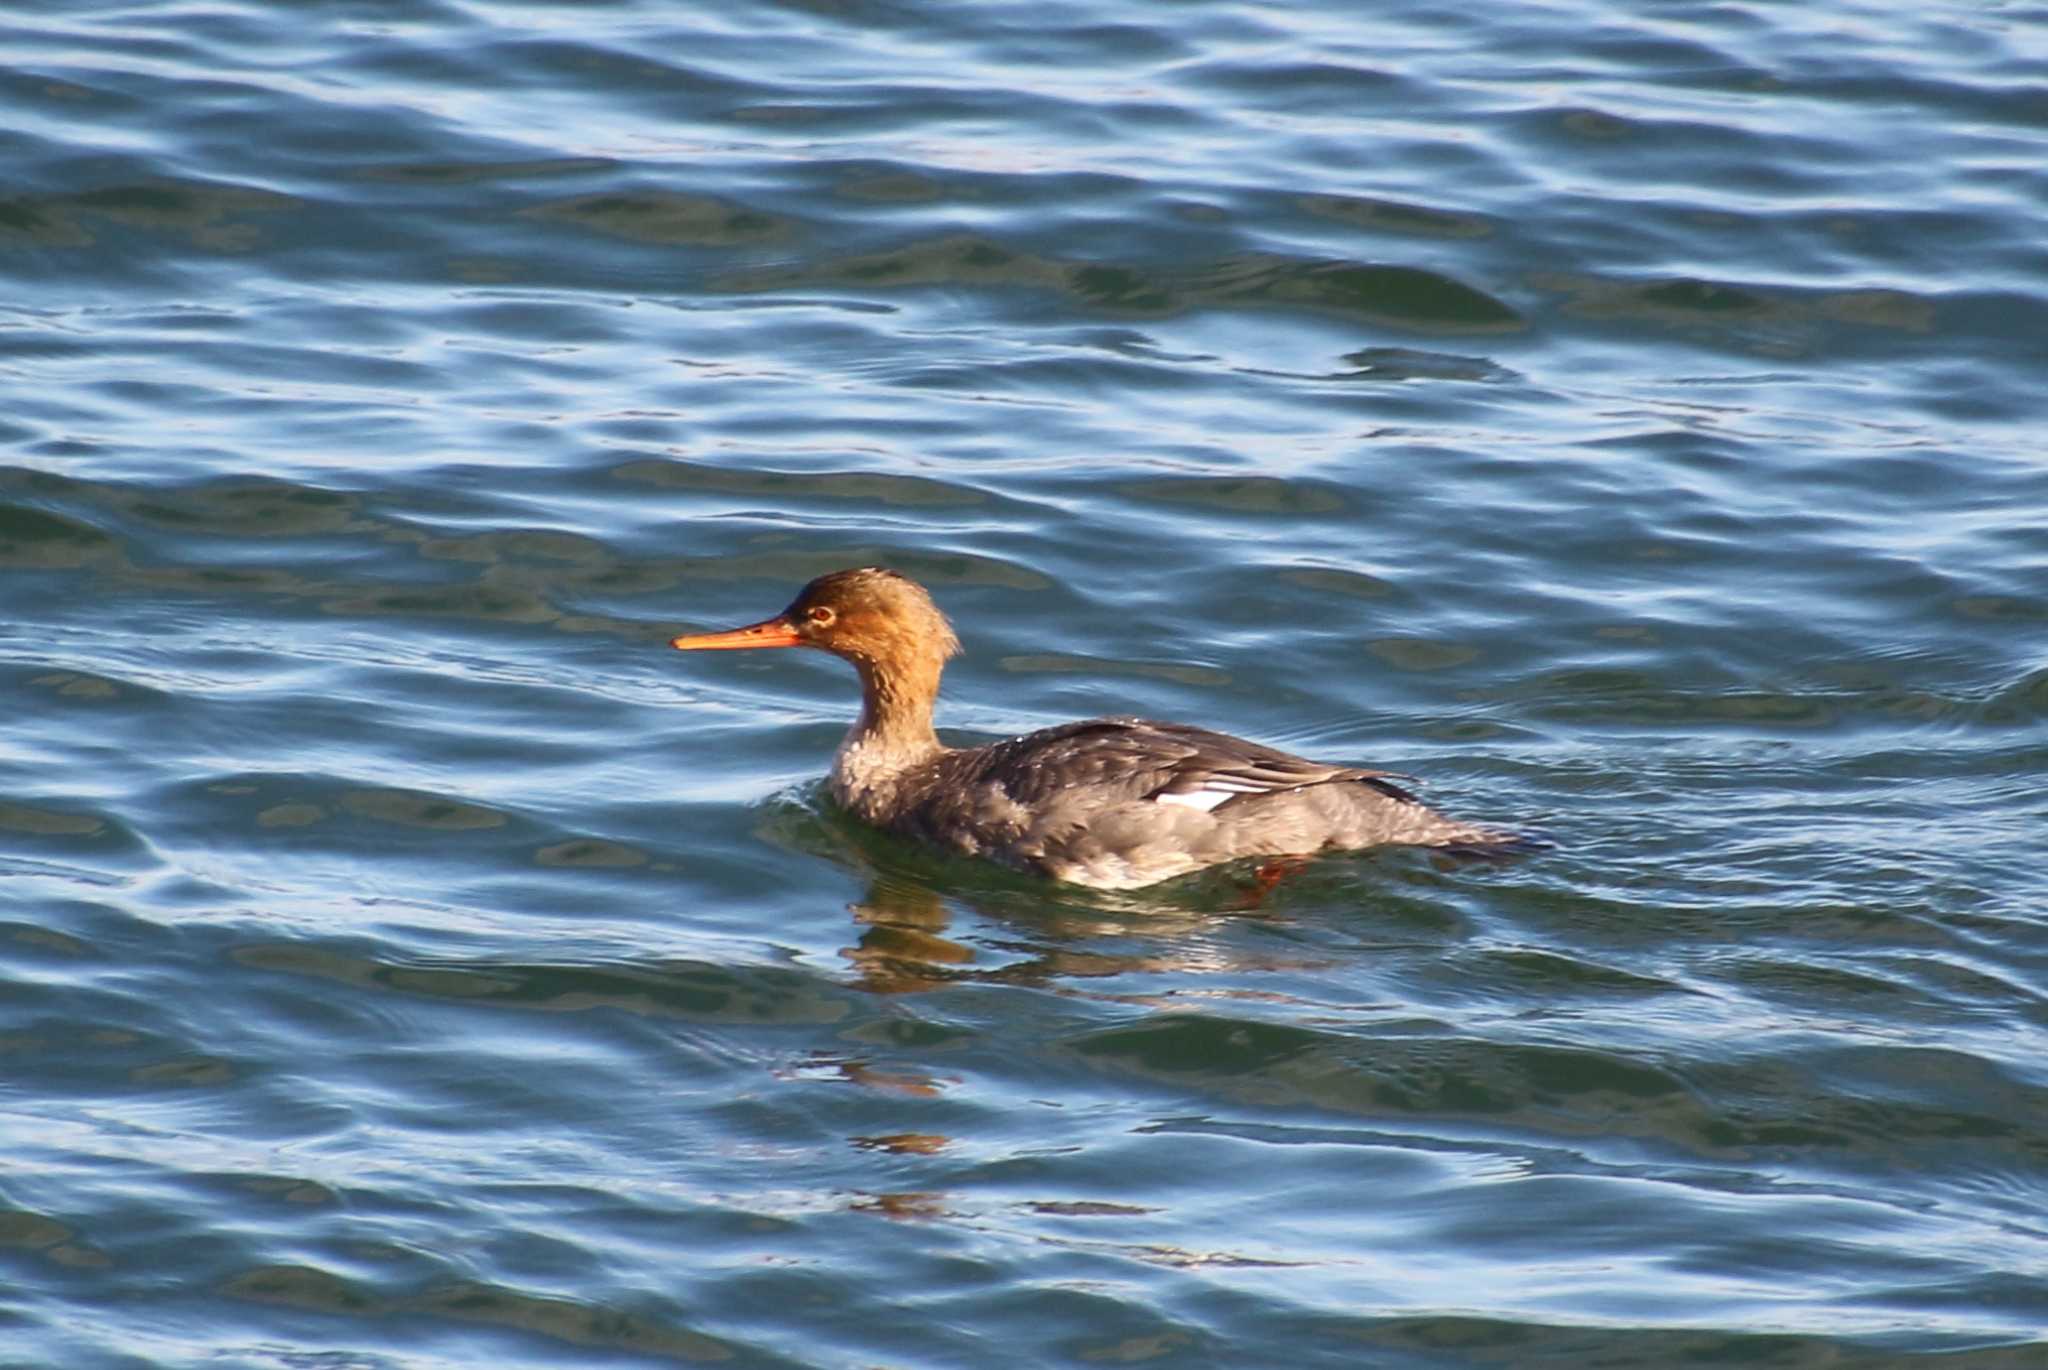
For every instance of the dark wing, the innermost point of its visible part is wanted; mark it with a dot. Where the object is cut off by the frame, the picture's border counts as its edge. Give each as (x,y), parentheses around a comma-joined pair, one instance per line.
(1127,759)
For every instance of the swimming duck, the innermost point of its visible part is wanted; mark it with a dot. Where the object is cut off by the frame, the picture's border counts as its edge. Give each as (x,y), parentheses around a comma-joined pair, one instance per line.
(1111,803)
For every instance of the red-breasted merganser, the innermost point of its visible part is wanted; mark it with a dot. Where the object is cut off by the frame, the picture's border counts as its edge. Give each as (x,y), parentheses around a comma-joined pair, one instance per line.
(1113,803)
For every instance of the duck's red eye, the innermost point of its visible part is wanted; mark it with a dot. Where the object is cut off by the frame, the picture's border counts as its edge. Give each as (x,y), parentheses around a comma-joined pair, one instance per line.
(821,616)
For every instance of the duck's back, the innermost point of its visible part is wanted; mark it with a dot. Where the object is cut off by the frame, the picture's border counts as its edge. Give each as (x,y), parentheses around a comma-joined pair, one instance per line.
(1123,802)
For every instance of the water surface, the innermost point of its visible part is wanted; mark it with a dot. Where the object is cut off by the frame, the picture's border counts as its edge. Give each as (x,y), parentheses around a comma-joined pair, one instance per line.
(1626,421)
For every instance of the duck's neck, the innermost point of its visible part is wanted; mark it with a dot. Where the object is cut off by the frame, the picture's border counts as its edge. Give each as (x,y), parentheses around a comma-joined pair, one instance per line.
(891,739)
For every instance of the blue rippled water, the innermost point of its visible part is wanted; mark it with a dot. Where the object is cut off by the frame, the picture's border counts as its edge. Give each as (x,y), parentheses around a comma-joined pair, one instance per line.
(1626,418)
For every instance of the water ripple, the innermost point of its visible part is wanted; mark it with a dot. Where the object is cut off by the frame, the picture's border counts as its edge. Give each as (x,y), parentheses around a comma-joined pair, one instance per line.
(1628,425)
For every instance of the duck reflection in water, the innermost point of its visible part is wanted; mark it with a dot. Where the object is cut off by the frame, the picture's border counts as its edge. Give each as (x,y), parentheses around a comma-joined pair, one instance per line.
(927,922)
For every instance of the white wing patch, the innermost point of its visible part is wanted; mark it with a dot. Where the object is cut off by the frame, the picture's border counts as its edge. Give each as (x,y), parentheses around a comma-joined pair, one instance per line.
(1200,799)
(1213,791)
